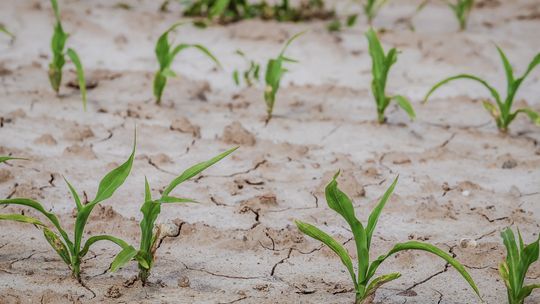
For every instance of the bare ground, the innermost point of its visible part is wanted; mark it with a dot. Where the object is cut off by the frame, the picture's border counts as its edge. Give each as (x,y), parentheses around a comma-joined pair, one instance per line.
(460,181)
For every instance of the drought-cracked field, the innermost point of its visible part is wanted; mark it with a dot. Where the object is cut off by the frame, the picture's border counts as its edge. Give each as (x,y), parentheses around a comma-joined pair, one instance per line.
(461,181)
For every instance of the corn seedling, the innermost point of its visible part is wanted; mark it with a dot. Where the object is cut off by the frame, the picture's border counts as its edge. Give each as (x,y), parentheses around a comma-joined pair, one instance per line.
(250,75)
(462,10)
(381,64)
(58,43)
(274,73)
(72,251)
(337,25)
(150,234)
(372,7)
(519,257)
(502,110)
(364,282)
(165,54)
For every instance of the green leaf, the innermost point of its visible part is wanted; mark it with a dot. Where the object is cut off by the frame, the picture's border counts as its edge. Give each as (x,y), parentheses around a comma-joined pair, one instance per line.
(414,245)
(21,218)
(527,290)
(507,68)
(92,240)
(321,236)
(80,74)
(38,207)
(493,92)
(57,244)
(492,109)
(236,77)
(405,105)
(114,179)
(75,195)
(533,116)
(218,8)
(56,11)
(194,170)
(4,30)
(123,257)
(376,212)
(288,43)
(378,282)
(512,259)
(171,199)
(6,158)
(341,203)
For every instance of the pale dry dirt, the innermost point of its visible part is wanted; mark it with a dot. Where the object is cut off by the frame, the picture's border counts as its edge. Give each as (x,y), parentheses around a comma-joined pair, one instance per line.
(460,181)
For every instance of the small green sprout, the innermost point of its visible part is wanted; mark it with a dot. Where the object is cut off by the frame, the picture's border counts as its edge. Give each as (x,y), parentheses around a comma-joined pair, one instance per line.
(336,25)
(165,54)
(462,9)
(381,64)
(364,283)
(150,234)
(274,73)
(502,111)
(250,75)
(372,7)
(519,257)
(4,30)
(72,251)
(58,43)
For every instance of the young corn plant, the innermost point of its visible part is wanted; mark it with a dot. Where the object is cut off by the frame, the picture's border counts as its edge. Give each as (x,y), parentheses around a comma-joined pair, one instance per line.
(364,280)
(72,250)
(151,208)
(501,111)
(372,7)
(251,75)
(381,64)
(58,43)
(165,54)
(462,9)
(274,73)
(519,257)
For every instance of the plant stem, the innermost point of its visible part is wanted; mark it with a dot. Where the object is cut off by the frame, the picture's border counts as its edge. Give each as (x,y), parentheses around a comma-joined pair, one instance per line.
(380,117)
(143,275)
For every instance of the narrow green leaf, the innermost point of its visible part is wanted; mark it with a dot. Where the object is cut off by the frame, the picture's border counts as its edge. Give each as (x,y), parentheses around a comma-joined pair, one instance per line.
(414,245)
(92,240)
(114,179)
(194,170)
(378,282)
(493,92)
(21,218)
(38,207)
(6,158)
(321,236)
(74,194)
(57,244)
(376,212)
(533,116)
(405,104)
(172,199)
(80,74)
(122,258)
(527,290)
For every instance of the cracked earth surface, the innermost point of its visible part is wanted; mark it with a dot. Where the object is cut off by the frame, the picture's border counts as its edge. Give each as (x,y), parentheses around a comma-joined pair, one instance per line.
(460,181)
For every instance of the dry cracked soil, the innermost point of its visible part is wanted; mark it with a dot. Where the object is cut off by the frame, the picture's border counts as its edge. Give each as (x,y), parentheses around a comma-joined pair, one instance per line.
(460,181)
